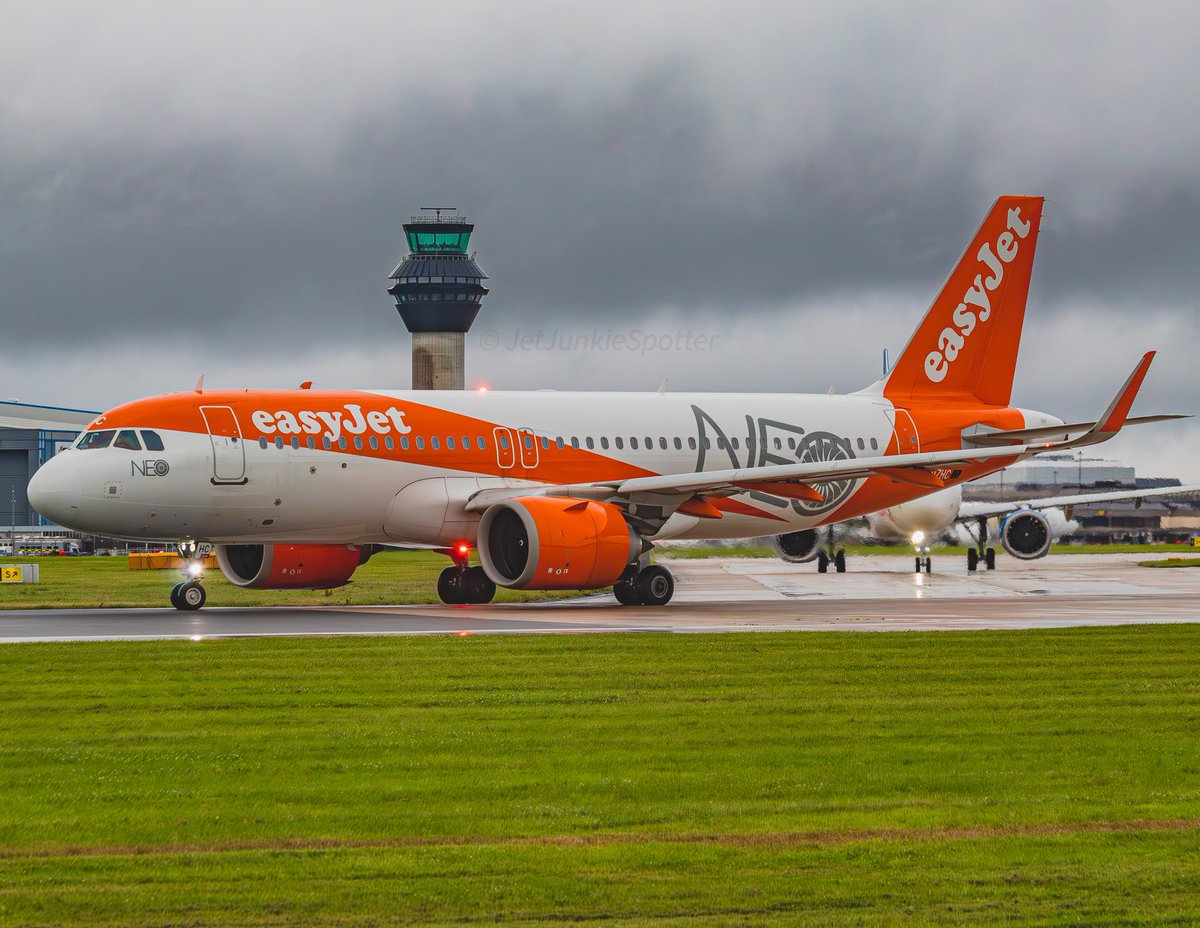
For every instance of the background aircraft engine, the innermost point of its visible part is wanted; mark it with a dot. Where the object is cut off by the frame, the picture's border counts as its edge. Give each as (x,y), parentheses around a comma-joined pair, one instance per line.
(797,547)
(290,567)
(1026,535)
(555,543)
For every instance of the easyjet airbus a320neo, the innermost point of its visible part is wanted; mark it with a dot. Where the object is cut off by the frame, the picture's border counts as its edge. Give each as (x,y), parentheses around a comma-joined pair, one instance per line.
(297,488)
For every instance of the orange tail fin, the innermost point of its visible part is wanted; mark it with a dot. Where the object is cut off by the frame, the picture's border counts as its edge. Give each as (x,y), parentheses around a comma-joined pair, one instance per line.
(965,349)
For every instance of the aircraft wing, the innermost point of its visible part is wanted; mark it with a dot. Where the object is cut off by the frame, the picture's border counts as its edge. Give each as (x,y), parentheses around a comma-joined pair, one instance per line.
(800,479)
(981,510)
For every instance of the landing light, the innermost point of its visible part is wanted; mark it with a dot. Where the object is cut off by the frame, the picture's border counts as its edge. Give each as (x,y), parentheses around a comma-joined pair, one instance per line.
(483,388)
(195,570)
(917,537)
(463,548)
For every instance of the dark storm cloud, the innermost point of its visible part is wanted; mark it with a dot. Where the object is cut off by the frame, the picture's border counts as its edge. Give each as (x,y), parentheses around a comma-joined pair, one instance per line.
(179,183)
(615,210)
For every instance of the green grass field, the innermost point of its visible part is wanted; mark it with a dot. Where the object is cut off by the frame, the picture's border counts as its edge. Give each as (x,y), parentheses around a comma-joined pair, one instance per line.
(809,779)
(392,577)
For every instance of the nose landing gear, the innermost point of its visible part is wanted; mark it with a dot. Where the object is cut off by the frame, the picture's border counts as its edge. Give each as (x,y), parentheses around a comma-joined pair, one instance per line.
(188,595)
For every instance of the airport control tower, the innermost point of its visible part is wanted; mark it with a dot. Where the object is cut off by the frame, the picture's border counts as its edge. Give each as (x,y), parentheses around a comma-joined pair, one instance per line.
(438,288)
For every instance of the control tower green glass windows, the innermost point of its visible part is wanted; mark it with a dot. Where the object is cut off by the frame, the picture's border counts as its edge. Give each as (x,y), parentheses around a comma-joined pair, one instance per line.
(424,241)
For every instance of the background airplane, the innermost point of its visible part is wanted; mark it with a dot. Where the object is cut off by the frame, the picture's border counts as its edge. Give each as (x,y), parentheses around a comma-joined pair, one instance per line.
(1024,528)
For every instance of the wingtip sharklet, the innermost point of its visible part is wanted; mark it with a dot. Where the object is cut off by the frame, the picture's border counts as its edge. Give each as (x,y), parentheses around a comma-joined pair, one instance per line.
(1118,411)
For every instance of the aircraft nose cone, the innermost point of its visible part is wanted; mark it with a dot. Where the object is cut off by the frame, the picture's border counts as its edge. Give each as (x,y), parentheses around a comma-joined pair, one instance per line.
(56,490)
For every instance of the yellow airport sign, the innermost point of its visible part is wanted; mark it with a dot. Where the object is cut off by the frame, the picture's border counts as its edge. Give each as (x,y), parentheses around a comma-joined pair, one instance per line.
(12,573)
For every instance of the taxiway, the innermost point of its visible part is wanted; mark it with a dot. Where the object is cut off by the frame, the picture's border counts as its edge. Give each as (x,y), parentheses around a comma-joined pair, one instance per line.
(715,594)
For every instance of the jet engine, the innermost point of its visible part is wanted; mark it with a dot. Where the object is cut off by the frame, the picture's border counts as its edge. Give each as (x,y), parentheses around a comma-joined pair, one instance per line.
(290,567)
(797,547)
(555,543)
(1026,535)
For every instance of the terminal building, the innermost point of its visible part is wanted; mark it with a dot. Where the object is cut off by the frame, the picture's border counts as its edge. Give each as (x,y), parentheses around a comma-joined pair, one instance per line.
(29,436)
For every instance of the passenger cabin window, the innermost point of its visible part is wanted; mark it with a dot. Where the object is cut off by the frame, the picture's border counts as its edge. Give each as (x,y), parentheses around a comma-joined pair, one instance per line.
(374,443)
(420,443)
(296,442)
(504,442)
(620,443)
(692,443)
(151,441)
(678,444)
(480,443)
(466,442)
(590,443)
(262,441)
(545,443)
(404,442)
(93,440)
(662,443)
(449,442)
(633,443)
(434,444)
(603,442)
(311,443)
(574,441)
(527,441)
(279,441)
(874,445)
(388,443)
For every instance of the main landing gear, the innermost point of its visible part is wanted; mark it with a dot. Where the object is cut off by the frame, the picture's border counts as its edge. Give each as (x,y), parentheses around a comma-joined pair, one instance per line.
(188,595)
(981,553)
(650,586)
(461,585)
(829,554)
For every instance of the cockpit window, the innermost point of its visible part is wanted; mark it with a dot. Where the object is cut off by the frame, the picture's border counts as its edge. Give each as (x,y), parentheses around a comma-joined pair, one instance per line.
(127,439)
(151,441)
(92,440)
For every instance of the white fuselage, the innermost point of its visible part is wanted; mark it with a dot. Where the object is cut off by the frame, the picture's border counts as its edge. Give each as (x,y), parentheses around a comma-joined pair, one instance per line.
(362,467)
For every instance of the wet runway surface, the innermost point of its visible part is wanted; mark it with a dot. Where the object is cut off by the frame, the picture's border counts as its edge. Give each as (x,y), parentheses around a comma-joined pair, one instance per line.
(719,594)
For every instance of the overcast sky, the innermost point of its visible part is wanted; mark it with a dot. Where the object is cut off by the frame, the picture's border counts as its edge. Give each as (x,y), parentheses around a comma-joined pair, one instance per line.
(220,188)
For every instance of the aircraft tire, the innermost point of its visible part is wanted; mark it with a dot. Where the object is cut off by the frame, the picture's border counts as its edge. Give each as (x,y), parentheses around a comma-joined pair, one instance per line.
(656,586)
(990,558)
(626,589)
(191,596)
(175,594)
(928,565)
(822,563)
(450,586)
(478,586)
(839,561)
(972,560)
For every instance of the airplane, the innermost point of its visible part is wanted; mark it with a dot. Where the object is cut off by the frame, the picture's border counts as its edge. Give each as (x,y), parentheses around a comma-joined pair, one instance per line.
(1024,529)
(298,488)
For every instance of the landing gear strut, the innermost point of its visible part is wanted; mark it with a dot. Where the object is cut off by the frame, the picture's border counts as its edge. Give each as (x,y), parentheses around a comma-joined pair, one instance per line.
(188,595)
(981,553)
(461,585)
(650,586)
(829,554)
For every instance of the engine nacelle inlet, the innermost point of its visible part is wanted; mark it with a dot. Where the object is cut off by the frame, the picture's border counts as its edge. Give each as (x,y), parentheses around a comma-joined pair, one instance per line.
(797,547)
(1026,535)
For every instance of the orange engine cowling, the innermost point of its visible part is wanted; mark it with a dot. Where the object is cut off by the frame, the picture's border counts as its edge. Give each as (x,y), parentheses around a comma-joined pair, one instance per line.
(290,567)
(554,543)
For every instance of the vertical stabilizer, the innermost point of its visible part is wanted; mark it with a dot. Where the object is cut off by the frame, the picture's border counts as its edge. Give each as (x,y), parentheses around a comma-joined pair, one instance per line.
(965,349)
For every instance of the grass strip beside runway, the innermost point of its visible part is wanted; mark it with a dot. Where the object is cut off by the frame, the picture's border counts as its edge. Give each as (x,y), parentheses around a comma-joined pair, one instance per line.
(392,577)
(806,779)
